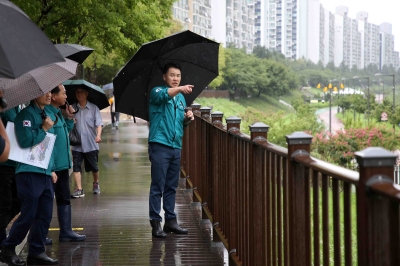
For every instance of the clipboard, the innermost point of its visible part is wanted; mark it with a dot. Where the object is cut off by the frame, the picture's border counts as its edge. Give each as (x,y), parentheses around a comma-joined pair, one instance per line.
(39,155)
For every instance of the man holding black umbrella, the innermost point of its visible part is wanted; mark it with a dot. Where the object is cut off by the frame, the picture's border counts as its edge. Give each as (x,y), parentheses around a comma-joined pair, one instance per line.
(167,120)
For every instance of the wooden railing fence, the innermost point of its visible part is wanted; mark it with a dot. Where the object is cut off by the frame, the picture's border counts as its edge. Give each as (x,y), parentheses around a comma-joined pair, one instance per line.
(271,205)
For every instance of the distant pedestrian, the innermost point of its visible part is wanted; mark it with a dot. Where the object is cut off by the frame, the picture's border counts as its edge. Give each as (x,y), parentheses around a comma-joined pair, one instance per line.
(89,125)
(114,115)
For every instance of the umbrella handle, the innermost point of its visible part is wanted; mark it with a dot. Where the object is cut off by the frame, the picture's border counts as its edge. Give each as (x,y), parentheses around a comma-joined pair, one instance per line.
(68,105)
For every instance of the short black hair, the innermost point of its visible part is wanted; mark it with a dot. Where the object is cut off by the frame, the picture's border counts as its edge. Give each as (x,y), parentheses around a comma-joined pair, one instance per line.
(56,90)
(169,65)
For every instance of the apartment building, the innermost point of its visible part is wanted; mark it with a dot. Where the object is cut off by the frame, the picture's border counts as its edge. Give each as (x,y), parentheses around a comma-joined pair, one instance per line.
(295,28)
(326,36)
(370,40)
(240,22)
(195,15)
(387,54)
(347,39)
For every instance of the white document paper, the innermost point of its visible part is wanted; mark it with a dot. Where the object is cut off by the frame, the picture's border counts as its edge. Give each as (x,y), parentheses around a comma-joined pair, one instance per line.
(38,155)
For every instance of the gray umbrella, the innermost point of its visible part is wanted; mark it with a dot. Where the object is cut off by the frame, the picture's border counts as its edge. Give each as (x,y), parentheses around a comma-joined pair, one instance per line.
(36,82)
(23,46)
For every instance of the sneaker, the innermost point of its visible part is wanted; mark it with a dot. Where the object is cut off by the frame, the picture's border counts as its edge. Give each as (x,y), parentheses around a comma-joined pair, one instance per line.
(96,188)
(79,193)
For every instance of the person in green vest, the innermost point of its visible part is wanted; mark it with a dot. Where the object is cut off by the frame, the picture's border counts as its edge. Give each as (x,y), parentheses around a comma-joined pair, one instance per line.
(168,117)
(9,203)
(63,162)
(34,187)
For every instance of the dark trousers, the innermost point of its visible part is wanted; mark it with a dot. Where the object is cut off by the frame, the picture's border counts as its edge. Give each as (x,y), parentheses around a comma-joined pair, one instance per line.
(9,202)
(114,117)
(36,193)
(61,188)
(165,167)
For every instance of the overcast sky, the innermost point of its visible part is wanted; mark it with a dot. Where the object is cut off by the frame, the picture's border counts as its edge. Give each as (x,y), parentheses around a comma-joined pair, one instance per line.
(379,11)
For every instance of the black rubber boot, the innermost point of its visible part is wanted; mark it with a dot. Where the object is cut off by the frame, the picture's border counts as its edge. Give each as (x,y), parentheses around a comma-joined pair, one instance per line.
(9,257)
(156,229)
(173,226)
(64,219)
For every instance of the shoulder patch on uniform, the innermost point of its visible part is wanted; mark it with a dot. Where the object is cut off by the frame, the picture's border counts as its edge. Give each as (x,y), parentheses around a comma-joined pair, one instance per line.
(26,123)
(157,90)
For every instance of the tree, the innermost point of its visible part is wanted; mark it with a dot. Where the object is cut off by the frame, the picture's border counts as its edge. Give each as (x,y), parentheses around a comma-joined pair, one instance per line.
(221,66)
(331,66)
(260,51)
(114,28)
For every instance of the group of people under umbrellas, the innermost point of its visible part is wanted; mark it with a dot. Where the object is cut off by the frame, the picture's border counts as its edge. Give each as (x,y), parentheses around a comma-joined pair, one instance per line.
(30,189)
(32,70)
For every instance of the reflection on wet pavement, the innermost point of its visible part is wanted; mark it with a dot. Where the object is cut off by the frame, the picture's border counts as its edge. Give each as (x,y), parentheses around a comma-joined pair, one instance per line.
(116,222)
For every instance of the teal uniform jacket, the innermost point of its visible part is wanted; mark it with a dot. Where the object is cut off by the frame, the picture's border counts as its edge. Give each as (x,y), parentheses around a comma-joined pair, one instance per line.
(29,132)
(7,116)
(62,159)
(166,117)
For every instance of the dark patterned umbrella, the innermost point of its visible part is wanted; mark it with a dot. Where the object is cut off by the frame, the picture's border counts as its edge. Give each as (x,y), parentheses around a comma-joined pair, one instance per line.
(23,46)
(36,82)
(75,52)
(198,57)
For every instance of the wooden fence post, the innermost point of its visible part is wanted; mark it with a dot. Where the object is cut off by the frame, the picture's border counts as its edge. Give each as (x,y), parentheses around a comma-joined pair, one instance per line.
(216,118)
(195,128)
(376,216)
(232,123)
(258,252)
(299,200)
(203,185)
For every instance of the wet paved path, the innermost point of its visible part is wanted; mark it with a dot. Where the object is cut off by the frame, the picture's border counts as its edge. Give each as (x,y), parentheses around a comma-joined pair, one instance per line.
(116,221)
(336,124)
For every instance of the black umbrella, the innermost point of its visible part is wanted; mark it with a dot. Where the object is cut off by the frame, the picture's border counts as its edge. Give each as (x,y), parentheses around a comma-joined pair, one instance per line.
(75,52)
(23,46)
(198,57)
(96,94)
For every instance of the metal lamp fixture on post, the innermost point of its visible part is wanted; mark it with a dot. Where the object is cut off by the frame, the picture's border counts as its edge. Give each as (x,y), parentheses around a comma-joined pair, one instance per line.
(356,77)
(394,96)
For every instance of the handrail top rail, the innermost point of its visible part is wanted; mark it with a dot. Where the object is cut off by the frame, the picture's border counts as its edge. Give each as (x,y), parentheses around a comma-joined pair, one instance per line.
(387,190)
(334,171)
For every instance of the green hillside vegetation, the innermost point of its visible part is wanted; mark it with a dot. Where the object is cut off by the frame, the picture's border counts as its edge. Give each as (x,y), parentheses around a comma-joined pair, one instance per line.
(281,119)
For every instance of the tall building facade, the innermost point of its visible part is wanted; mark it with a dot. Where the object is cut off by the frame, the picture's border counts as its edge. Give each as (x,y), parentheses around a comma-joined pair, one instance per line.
(295,28)
(387,56)
(195,15)
(240,23)
(347,39)
(326,36)
(370,40)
